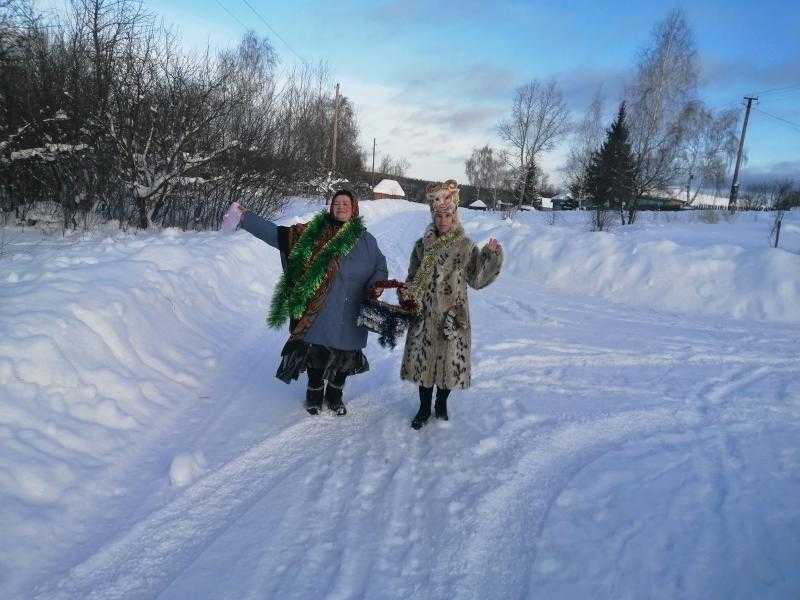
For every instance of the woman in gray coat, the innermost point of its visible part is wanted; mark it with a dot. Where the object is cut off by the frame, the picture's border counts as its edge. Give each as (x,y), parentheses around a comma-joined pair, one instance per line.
(330,265)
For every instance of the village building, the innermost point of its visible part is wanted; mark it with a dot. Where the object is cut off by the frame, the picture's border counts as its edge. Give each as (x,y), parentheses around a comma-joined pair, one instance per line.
(388,189)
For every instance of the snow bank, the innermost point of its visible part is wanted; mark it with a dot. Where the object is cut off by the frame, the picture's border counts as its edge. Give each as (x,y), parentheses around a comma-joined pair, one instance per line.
(667,261)
(101,342)
(724,269)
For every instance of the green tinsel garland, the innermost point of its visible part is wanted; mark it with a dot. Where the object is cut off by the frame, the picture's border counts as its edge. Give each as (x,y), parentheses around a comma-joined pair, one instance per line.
(300,281)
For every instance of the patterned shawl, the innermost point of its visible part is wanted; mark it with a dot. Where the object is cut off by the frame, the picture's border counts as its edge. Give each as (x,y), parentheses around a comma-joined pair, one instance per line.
(313,251)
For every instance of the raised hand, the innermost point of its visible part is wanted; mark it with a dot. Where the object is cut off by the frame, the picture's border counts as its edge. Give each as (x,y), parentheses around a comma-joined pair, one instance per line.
(232,217)
(494,246)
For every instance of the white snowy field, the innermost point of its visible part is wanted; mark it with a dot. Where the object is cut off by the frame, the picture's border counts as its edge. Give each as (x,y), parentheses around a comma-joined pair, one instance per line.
(633,429)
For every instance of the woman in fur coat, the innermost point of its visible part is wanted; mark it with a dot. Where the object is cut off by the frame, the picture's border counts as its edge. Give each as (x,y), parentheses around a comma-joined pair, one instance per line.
(444,261)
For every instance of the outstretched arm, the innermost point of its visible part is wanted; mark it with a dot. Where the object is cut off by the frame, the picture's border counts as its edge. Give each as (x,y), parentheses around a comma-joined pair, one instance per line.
(484,264)
(263,229)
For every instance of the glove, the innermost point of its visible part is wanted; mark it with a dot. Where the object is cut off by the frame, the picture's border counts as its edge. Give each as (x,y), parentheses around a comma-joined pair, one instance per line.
(232,218)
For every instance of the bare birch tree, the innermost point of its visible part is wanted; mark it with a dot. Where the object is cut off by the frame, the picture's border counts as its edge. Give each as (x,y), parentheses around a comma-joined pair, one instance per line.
(707,150)
(587,139)
(395,167)
(539,119)
(665,81)
(484,169)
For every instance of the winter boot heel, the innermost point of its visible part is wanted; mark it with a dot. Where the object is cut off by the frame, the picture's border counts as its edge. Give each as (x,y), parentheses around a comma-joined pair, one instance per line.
(440,409)
(423,414)
(333,398)
(314,400)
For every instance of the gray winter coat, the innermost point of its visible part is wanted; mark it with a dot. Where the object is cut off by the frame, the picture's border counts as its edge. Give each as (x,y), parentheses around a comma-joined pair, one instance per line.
(335,325)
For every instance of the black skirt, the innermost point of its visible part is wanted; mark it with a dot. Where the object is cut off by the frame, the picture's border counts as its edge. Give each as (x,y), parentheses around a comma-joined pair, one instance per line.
(298,356)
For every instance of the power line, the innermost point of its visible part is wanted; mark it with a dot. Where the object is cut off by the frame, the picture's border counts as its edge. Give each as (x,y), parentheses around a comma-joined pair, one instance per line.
(263,20)
(781,95)
(790,123)
(232,15)
(780,89)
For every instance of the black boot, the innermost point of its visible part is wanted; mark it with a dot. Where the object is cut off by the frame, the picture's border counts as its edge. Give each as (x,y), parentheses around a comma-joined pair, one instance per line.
(333,398)
(440,408)
(314,399)
(424,412)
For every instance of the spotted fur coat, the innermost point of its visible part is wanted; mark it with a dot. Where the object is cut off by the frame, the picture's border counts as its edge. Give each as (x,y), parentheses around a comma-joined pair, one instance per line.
(438,348)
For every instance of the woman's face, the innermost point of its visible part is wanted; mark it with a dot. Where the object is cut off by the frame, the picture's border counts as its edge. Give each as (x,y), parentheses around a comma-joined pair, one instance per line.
(443,219)
(342,208)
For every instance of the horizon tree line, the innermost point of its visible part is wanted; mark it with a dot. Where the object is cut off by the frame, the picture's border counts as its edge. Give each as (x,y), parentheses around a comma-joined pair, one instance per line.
(103,112)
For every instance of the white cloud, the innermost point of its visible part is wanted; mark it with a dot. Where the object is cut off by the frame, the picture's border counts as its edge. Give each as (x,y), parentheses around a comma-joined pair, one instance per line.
(415,130)
(435,136)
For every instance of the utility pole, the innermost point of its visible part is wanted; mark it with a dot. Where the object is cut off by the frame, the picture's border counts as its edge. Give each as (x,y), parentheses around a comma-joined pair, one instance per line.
(335,128)
(373,162)
(735,184)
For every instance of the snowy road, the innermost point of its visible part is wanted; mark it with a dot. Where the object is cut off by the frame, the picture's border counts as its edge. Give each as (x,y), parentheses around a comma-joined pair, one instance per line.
(604,450)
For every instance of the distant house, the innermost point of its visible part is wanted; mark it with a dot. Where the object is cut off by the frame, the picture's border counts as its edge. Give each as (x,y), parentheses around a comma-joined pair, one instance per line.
(659,203)
(536,201)
(703,200)
(563,202)
(675,199)
(388,188)
(656,201)
(478,205)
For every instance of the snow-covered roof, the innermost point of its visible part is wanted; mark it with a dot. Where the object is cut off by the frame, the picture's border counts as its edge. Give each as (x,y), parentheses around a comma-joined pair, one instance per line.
(698,199)
(389,187)
(703,199)
(478,204)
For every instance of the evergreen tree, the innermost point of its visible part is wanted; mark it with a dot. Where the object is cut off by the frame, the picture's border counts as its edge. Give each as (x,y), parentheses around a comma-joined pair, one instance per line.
(612,174)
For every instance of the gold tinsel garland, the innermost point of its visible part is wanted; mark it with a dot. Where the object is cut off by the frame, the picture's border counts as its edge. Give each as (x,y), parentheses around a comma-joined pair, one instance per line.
(423,274)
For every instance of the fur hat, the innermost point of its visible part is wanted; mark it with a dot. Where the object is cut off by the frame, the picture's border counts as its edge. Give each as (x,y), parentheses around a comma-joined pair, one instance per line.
(443,197)
(349,194)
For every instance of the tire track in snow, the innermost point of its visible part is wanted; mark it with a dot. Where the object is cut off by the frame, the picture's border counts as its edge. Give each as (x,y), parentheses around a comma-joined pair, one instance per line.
(508,521)
(144,560)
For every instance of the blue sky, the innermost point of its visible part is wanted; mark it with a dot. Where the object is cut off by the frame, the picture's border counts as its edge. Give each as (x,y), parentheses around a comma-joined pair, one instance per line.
(430,80)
